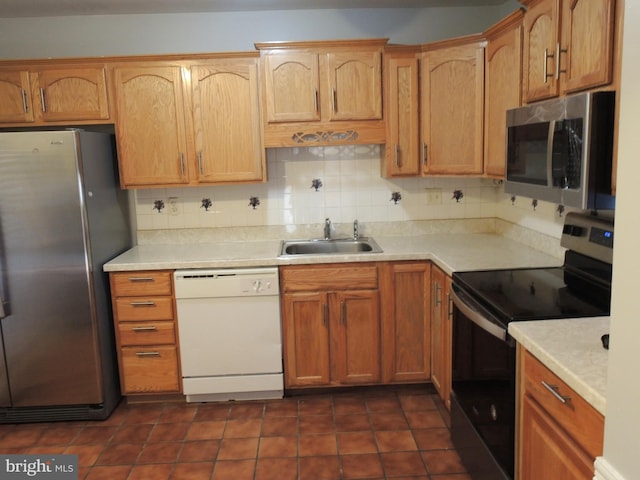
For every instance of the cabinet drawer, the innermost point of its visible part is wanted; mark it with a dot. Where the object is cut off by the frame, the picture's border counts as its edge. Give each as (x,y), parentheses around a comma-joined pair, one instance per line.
(149,370)
(580,420)
(148,333)
(329,277)
(127,284)
(144,308)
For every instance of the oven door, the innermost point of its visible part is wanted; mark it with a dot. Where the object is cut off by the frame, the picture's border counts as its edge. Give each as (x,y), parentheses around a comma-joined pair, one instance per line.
(483,390)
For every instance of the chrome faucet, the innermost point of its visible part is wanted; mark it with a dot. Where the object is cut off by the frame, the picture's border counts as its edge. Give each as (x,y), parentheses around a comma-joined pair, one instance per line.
(327,229)
(355,229)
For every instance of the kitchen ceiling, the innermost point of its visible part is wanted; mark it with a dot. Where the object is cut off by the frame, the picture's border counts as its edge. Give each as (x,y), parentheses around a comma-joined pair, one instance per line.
(50,8)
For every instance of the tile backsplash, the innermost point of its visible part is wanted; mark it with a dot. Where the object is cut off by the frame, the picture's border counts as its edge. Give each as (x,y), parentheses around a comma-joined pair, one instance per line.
(308,184)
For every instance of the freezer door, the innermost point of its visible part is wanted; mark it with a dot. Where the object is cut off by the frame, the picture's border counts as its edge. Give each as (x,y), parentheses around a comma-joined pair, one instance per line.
(49,339)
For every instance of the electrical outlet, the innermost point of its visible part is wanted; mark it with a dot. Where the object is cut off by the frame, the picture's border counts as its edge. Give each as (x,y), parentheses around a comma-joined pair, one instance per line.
(173,206)
(434,196)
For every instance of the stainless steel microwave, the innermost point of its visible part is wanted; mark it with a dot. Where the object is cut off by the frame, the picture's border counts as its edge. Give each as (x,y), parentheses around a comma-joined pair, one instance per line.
(560,150)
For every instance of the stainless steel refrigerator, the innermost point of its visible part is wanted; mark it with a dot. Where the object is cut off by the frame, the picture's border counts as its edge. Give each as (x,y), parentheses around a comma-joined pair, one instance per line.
(62,216)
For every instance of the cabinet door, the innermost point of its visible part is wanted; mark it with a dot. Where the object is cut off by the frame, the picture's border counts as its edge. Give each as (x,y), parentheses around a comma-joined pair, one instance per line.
(306,339)
(547,451)
(541,32)
(78,93)
(355,332)
(150,129)
(587,37)
(15,98)
(402,156)
(452,113)
(355,83)
(292,87)
(406,321)
(441,334)
(227,126)
(503,86)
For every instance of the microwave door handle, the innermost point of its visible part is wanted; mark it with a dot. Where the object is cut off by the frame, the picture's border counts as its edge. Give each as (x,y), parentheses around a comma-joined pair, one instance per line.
(550,138)
(477,318)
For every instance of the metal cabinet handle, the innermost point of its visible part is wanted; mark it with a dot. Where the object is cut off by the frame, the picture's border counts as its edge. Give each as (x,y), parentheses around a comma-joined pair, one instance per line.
(140,279)
(42,100)
(437,289)
(324,314)
(148,303)
(145,329)
(424,153)
(25,105)
(554,391)
(449,306)
(545,71)
(396,154)
(200,162)
(147,354)
(182,164)
(315,99)
(558,52)
(343,313)
(334,103)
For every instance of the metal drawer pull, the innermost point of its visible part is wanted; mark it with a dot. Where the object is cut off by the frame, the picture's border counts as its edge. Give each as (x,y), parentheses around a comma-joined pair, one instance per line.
(25,105)
(141,279)
(43,101)
(147,354)
(144,329)
(554,391)
(143,304)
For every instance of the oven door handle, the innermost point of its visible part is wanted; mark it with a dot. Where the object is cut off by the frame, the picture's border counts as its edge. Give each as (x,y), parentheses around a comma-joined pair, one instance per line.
(479,319)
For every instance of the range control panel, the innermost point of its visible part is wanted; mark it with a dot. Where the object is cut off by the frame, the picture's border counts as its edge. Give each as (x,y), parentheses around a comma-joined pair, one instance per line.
(590,235)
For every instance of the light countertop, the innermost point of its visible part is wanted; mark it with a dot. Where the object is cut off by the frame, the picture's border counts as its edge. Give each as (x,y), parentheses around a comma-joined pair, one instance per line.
(450,251)
(572,349)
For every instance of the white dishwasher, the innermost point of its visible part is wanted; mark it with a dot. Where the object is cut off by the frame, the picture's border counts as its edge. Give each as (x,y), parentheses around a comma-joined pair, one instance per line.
(229,333)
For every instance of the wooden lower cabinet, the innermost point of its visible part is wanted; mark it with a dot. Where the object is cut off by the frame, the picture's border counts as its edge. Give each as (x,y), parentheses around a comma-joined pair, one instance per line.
(441,329)
(331,324)
(559,435)
(146,332)
(406,347)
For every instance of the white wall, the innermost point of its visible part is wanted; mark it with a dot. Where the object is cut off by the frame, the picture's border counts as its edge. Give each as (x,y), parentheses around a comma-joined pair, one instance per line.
(232,31)
(622,425)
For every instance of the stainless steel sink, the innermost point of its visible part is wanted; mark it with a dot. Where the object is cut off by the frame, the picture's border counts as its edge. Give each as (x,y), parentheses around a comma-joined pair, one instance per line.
(338,246)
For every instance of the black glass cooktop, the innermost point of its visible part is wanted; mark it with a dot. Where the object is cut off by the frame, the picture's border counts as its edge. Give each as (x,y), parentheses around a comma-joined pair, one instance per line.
(534,293)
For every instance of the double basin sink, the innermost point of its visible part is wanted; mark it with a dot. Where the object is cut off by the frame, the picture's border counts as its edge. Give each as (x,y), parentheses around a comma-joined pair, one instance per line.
(338,246)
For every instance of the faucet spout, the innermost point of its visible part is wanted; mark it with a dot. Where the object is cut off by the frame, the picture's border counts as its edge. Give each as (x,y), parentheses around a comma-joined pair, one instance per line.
(327,229)
(356,234)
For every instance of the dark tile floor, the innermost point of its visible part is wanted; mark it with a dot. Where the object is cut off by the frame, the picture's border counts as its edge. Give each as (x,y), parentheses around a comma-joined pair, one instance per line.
(398,434)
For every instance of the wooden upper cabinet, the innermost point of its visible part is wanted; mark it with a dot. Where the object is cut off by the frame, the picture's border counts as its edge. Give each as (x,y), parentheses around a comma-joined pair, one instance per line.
(541,37)
(60,94)
(568,46)
(150,128)
(15,98)
(292,86)
(402,107)
(226,121)
(322,93)
(503,87)
(587,36)
(355,82)
(453,106)
(72,94)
